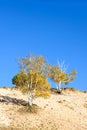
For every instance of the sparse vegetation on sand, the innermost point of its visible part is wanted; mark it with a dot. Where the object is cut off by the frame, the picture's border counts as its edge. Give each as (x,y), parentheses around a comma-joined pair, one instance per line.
(59,111)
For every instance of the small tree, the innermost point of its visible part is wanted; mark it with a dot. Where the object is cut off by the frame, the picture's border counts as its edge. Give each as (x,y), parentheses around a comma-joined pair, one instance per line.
(20,79)
(36,83)
(60,76)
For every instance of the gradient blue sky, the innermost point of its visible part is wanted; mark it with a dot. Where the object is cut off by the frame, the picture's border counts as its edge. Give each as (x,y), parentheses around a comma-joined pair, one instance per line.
(56,30)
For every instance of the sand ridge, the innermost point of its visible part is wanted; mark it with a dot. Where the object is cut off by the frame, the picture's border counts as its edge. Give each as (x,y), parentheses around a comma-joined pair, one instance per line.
(58,112)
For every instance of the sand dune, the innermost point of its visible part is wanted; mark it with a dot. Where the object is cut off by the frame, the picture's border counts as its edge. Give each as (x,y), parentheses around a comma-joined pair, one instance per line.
(67,111)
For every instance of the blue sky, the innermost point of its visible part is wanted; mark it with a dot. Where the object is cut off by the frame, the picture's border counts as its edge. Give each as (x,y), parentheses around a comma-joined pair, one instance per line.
(53,29)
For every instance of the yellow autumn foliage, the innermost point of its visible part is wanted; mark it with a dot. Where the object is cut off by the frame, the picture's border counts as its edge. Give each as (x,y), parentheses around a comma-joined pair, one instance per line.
(40,85)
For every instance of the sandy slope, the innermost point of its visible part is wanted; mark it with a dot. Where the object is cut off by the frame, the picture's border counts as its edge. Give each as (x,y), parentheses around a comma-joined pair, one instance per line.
(58,112)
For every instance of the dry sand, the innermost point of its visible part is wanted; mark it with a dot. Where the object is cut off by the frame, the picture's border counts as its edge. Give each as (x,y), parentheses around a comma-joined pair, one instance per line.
(58,112)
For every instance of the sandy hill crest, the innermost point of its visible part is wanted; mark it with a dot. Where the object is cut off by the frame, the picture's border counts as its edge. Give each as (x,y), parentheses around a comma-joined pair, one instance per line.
(67,111)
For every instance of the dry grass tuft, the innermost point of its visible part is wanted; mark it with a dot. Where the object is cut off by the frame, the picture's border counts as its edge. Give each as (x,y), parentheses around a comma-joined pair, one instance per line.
(29,109)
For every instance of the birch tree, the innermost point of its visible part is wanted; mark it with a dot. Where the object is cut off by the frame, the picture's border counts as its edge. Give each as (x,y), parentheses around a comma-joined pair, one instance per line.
(36,77)
(59,75)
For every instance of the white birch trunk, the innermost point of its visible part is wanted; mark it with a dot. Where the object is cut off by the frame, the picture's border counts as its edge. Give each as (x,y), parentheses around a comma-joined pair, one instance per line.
(59,87)
(30,96)
(30,99)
